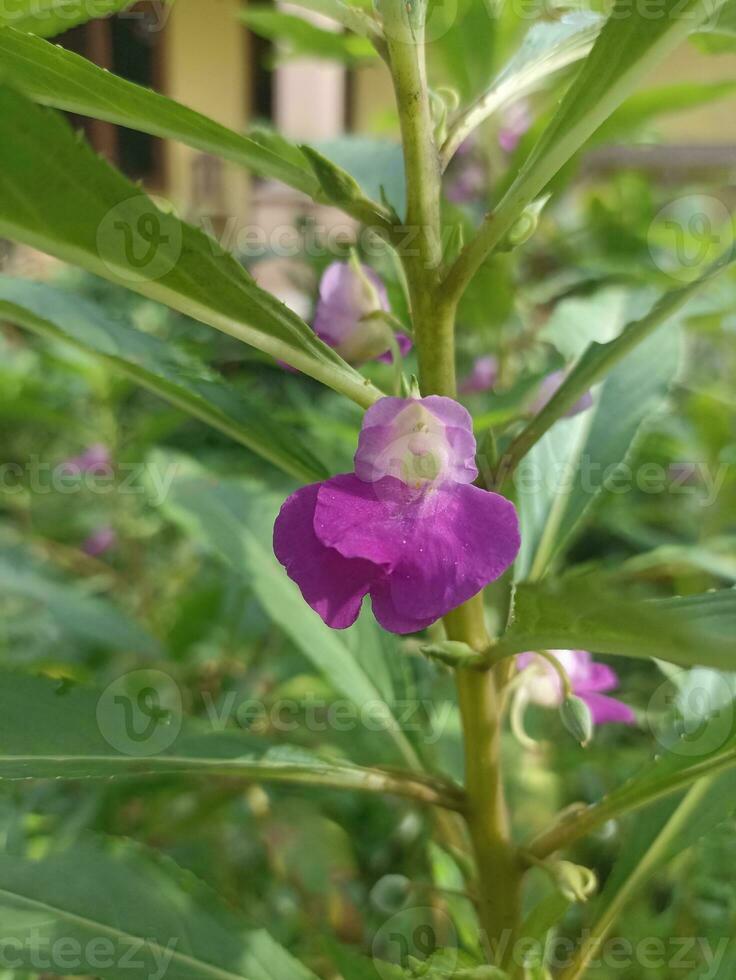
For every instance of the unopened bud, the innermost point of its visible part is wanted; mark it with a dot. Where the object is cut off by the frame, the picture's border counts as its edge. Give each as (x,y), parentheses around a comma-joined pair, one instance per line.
(574,881)
(453,653)
(577,719)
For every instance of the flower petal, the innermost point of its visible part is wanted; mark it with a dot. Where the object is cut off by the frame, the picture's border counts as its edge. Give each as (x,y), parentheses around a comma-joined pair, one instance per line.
(405,345)
(605,710)
(334,586)
(439,546)
(417,440)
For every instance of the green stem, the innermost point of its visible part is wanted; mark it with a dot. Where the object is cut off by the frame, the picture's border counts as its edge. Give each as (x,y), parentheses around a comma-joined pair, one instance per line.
(479,694)
(499,870)
(642,873)
(433,319)
(583,820)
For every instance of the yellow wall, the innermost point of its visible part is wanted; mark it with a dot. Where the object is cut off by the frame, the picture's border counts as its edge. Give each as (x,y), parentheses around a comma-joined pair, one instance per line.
(712,123)
(206,67)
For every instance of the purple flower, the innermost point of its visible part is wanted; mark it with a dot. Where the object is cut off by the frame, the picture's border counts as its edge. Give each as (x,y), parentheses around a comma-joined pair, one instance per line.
(468,183)
(482,377)
(348,295)
(100,541)
(406,528)
(542,685)
(548,388)
(516,122)
(94,459)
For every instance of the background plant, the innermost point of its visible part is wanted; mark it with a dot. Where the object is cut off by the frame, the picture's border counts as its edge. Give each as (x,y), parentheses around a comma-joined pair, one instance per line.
(341,836)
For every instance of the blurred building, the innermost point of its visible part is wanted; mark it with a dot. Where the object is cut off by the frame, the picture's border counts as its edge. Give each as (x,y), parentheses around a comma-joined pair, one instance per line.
(198,52)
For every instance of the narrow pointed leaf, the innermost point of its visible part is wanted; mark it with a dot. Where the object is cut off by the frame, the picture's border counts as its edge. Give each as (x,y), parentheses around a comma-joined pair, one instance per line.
(577,615)
(47,18)
(182,380)
(110,909)
(58,196)
(51,729)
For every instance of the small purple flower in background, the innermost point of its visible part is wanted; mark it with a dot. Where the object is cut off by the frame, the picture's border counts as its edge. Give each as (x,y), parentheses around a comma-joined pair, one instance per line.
(482,377)
(94,459)
(406,528)
(548,388)
(517,120)
(348,294)
(468,178)
(100,542)
(539,683)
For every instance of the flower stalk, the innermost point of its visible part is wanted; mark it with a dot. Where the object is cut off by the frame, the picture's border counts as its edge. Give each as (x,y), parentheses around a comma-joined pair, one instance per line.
(498,868)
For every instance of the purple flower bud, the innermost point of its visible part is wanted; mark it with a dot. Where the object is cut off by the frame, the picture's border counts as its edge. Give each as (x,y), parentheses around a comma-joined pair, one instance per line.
(589,680)
(94,459)
(483,376)
(407,527)
(517,120)
(100,541)
(548,388)
(347,298)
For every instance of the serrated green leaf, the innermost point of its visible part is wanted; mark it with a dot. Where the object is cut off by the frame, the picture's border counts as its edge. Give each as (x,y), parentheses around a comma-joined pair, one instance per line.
(109,909)
(185,382)
(57,196)
(565,472)
(47,18)
(300,38)
(575,614)
(54,77)
(52,729)
(546,49)
(235,520)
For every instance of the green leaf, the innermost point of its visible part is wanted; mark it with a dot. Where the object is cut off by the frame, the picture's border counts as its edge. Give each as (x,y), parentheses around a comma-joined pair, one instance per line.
(54,77)
(547,48)
(112,910)
(90,618)
(657,837)
(629,46)
(300,38)
(51,729)
(234,520)
(46,18)
(575,614)
(58,196)
(348,14)
(560,479)
(157,365)
(701,744)
(599,359)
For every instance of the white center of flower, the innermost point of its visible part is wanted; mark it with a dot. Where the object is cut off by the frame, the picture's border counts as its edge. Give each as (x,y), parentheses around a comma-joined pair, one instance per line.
(417,452)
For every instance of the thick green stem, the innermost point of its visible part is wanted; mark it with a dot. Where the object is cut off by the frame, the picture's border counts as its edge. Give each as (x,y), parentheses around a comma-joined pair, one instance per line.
(499,870)
(479,693)
(421,251)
